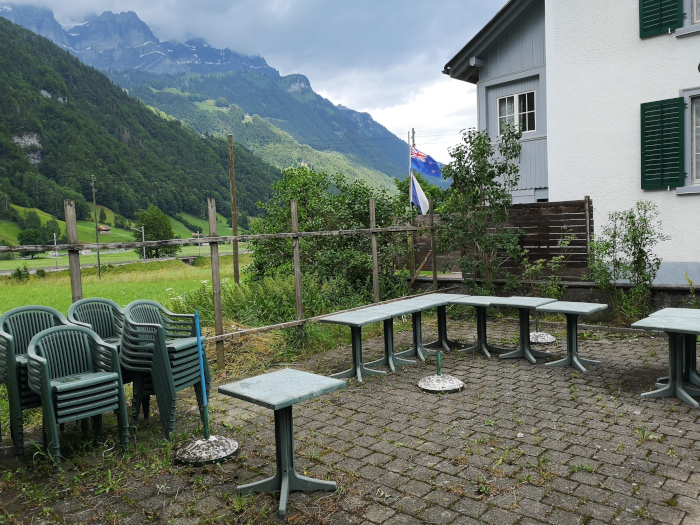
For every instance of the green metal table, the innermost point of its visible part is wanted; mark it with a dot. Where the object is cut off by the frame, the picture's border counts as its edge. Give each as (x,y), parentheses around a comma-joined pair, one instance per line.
(524,305)
(690,364)
(481,303)
(677,328)
(279,391)
(428,302)
(395,309)
(356,320)
(572,311)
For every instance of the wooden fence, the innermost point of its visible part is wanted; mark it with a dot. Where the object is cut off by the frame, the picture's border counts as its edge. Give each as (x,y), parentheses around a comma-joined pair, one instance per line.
(543,224)
(74,248)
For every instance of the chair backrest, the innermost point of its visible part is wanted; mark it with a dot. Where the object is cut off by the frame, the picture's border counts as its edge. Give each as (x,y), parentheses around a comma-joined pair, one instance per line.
(25,322)
(67,351)
(146,312)
(105,317)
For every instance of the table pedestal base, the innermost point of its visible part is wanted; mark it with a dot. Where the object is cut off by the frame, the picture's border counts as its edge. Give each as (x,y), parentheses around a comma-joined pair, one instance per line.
(525,349)
(358,367)
(572,358)
(675,374)
(286,478)
(690,363)
(390,359)
(481,342)
(417,350)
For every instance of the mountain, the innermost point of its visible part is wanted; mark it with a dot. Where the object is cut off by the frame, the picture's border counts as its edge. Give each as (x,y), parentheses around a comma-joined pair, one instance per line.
(62,122)
(125,48)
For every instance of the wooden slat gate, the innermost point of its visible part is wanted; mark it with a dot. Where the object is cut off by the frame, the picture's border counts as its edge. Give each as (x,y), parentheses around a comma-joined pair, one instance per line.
(543,225)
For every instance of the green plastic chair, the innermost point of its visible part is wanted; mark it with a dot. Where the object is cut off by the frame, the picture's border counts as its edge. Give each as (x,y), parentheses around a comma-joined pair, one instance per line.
(77,376)
(17,328)
(106,319)
(160,348)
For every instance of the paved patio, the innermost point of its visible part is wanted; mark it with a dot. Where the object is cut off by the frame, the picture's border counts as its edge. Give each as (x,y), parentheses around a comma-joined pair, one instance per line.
(521,444)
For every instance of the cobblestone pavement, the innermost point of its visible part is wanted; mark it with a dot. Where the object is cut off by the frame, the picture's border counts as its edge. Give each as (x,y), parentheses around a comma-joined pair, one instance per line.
(520,444)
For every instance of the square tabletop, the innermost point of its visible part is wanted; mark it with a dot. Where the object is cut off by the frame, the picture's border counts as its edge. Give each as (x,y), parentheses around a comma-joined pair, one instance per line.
(572,307)
(426,302)
(474,300)
(521,302)
(398,308)
(282,388)
(678,325)
(357,318)
(677,312)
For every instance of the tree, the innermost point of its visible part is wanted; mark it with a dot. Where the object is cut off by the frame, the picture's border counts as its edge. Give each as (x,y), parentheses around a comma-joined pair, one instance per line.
(327,203)
(484,176)
(49,229)
(156,228)
(30,236)
(221,102)
(103,216)
(30,221)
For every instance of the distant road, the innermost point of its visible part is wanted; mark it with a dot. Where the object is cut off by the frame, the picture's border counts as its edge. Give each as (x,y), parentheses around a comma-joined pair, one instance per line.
(61,267)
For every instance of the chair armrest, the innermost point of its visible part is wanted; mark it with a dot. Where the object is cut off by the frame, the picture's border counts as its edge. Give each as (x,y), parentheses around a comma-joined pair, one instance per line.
(7,355)
(39,375)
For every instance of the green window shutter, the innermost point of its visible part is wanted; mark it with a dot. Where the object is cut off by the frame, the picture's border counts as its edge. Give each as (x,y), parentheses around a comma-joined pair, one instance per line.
(663,143)
(659,16)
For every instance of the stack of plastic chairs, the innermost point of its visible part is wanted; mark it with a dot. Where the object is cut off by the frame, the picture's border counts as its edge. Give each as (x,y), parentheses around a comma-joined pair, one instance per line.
(161,347)
(106,319)
(17,328)
(77,376)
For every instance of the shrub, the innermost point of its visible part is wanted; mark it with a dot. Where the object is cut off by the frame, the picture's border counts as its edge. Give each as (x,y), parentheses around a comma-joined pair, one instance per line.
(41,273)
(21,273)
(623,253)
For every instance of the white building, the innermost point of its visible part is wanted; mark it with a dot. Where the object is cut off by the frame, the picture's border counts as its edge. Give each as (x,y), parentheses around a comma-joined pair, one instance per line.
(608,96)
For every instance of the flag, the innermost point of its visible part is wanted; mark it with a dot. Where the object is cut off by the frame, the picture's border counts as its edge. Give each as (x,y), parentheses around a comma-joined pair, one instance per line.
(425,164)
(418,197)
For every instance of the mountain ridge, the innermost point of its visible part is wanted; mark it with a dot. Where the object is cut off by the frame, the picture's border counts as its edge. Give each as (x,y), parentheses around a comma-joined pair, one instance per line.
(120,44)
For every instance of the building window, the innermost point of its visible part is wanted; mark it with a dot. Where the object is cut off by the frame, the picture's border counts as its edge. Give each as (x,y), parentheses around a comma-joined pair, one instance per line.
(695,138)
(696,11)
(520,107)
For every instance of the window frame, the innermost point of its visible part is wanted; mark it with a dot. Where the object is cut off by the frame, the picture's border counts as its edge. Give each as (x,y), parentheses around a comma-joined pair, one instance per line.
(516,110)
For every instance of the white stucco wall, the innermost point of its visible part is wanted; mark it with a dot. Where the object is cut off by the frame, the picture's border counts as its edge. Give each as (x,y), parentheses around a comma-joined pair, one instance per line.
(598,73)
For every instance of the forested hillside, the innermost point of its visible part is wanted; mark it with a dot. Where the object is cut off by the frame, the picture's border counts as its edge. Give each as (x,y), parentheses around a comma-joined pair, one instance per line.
(62,122)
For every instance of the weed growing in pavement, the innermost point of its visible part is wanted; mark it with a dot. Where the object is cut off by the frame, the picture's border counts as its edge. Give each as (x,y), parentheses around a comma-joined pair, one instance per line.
(577,468)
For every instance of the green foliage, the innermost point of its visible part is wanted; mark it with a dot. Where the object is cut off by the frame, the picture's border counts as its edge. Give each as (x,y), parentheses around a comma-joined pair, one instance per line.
(6,256)
(156,228)
(432,192)
(476,210)
(692,301)
(221,102)
(544,277)
(31,236)
(102,216)
(623,253)
(329,203)
(30,221)
(21,273)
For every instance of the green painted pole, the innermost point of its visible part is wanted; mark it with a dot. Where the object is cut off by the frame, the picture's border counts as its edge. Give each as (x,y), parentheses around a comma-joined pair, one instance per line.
(439,363)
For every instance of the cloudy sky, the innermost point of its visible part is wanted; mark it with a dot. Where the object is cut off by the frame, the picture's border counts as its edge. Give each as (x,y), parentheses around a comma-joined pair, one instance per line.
(381,56)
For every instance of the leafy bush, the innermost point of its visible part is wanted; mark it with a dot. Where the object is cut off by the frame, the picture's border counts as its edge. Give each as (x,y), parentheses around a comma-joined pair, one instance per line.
(21,273)
(329,203)
(40,272)
(484,176)
(622,253)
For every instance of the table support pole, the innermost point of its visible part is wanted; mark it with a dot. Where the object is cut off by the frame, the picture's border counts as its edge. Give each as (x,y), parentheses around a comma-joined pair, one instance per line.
(572,358)
(390,358)
(525,349)
(482,344)
(417,349)
(442,341)
(675,386)
(286,478)
(358,367)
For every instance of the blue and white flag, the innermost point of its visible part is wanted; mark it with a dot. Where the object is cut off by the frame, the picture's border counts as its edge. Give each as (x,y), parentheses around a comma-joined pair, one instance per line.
(418,197)
(425,164)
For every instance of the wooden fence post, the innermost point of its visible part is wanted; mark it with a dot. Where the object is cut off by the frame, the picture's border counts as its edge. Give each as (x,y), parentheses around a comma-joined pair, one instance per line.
(234,209)
(216,284)
(375,257)
(587,204)
(297,260)
(433,258)
(76,284)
